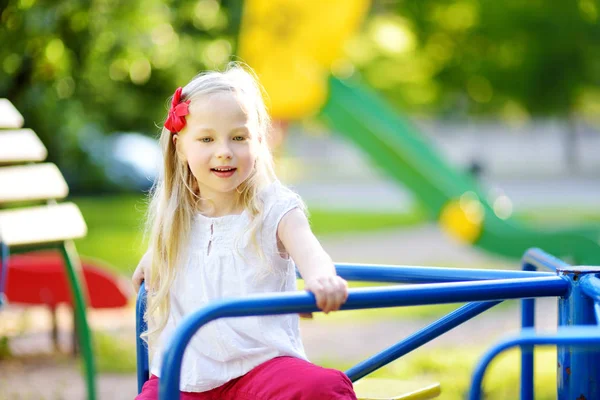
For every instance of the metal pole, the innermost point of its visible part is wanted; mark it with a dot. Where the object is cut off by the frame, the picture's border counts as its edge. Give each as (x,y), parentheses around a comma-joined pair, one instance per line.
(4,254)
(417,339)
(143,370)
(578,366)
(527,321)
(78,290)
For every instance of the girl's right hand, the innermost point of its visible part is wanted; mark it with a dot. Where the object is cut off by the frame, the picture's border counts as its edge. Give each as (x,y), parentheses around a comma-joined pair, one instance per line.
(138,277)
(139,274)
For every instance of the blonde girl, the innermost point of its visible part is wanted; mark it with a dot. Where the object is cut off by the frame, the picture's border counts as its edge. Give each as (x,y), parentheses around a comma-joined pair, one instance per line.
(222,225)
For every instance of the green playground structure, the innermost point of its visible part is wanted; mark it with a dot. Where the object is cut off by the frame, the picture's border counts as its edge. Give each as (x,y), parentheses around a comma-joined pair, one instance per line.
(397,146)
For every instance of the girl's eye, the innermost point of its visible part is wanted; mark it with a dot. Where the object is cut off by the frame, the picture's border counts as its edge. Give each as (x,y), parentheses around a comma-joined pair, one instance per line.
(239,138)
(206,140)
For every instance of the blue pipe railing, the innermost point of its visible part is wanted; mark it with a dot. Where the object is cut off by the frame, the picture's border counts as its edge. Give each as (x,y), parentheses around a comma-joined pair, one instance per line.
(143,368)
(533,260)
(539,259)
(578,288)
(410,274)
(419,338)
(590,285)
(4,255)
(302,302)
(565,336)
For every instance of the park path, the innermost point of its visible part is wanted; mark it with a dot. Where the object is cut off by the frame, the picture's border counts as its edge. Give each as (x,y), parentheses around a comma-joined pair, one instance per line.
(37,374)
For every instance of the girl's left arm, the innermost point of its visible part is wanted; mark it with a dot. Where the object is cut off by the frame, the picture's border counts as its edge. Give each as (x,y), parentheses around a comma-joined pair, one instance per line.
(314,264)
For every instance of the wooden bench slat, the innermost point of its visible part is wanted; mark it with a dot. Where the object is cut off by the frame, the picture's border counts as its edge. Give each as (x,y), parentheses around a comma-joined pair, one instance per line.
(21,145)
(31,182)
(41,225)
(393,389)
(9,116)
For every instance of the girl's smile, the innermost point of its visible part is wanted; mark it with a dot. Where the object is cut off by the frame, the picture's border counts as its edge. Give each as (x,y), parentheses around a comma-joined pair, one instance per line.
(224,172)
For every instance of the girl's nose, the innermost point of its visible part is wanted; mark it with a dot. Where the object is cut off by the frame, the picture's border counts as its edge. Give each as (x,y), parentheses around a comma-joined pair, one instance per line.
(224,152)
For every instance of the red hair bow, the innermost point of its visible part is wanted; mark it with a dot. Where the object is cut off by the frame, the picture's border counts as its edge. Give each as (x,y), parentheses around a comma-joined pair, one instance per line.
(176,120)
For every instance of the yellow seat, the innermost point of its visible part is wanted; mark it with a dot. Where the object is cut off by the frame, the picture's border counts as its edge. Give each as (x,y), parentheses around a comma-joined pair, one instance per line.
(393,389)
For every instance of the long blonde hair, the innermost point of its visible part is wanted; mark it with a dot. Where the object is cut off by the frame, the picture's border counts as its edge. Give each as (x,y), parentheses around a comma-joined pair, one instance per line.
(175,195)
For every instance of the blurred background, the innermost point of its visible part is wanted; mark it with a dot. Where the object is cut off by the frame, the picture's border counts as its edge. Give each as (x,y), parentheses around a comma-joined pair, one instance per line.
(418,132)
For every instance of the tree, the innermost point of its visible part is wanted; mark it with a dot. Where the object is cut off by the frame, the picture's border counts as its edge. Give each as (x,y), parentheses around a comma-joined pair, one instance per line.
(77,69)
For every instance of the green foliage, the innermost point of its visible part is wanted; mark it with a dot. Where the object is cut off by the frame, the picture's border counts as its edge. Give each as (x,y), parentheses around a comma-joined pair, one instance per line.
(509,58)
(81,69)
(78,69)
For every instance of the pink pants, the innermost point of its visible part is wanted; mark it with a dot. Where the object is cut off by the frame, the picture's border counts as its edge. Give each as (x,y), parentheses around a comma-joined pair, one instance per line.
(282,378)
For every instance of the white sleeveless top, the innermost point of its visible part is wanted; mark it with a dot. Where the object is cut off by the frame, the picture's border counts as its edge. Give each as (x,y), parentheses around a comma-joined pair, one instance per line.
(222,262)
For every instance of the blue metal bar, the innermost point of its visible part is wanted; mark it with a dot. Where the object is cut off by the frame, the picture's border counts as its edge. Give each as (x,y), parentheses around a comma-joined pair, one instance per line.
(578,371)
(298,302)
(542,260)
(410,274)
(419,338)
(143,370)
(565,336)
(597,312)
(590,285)
(4,255)
(527,360)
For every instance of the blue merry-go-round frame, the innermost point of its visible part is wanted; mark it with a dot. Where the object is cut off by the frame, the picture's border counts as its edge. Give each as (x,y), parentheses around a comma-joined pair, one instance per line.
(542,275)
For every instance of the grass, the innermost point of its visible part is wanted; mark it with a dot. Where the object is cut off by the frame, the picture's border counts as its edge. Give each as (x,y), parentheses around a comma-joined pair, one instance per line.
(453,367)
(113,354)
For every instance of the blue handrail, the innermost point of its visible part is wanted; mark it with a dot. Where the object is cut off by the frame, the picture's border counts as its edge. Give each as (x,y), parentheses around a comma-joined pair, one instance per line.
(417,339)
(4,255)
(413,274)
(143,369)
(581,335)
(590,284)
(297,302)
(542,260)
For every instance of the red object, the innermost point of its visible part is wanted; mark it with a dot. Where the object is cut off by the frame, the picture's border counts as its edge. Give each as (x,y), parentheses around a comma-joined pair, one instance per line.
(176,120)
(40,278)
(280,378)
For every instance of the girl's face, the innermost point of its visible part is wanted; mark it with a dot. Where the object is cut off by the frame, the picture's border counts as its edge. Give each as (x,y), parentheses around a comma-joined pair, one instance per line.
(218,143)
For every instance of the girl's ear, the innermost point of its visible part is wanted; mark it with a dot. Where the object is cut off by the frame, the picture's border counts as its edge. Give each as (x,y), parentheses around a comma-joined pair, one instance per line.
(175,139)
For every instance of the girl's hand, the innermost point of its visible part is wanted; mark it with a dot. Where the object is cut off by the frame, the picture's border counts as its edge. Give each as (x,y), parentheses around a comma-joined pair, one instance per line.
(139,275)
(331,291)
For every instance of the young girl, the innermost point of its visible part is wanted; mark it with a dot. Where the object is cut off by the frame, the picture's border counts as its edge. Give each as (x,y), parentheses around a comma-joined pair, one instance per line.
(222,225)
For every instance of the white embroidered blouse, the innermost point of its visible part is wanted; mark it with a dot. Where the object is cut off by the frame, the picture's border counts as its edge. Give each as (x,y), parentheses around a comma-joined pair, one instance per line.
(222,262)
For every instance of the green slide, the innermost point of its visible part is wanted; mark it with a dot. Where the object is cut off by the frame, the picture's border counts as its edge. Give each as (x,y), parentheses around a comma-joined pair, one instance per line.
(402,152)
